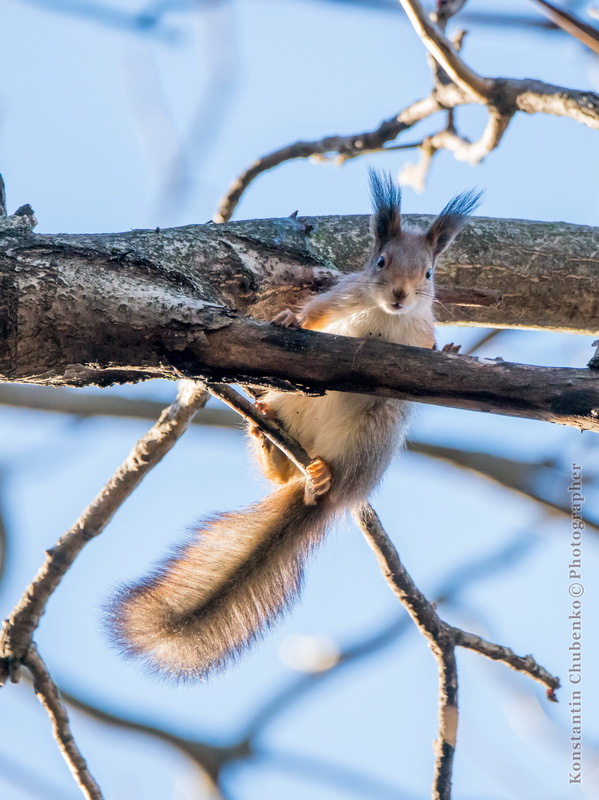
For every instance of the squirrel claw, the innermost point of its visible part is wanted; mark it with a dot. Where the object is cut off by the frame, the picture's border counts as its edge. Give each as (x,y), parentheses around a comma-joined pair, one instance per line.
(451,348)
(318,482)
(287,319)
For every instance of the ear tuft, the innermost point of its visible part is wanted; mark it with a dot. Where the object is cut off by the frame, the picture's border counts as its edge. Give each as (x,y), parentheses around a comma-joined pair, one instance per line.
(451,220)
(386,206)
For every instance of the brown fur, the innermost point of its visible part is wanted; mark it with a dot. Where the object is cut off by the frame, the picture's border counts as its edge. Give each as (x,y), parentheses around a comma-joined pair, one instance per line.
(221,589)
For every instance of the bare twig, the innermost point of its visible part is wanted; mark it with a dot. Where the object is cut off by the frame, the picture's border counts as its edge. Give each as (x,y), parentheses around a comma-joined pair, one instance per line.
(449,590)
(444,53)
(269,427)
(483,340)
(571,24)
(207,757)
(16,645)
(49,697)
(436,634)
(442,639)
(423,611)
(344,146)
(524,664)
(456,84)
(18,629)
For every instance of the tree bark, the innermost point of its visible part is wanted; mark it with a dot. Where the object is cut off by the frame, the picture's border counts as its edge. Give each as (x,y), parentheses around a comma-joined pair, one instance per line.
(100,309)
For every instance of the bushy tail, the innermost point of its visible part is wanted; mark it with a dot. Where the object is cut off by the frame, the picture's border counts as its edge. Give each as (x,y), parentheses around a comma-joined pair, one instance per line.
(223,588)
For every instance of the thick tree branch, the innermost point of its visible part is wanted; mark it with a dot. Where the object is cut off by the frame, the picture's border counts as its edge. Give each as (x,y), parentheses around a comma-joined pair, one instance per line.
(545,275)
(100,309)
(248,352)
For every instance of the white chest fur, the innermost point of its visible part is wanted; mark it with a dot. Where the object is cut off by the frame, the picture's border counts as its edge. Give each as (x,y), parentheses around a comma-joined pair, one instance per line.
(338,423)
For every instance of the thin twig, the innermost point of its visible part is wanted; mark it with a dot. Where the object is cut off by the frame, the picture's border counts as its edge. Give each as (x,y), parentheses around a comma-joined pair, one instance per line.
(49,696)
(271,429)
(570,24)
(344,146)
(18,629)
(497,652)
(442,639)
(455,84)
(449,590)
(483,340)
(434,631)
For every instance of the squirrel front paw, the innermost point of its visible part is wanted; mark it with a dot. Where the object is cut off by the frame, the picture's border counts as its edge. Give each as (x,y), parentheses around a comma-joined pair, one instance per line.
(318,482)
(287,319)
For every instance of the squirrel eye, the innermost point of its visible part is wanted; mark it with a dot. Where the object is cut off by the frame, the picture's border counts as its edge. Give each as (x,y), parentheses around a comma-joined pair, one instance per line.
(381,261)
(429,273)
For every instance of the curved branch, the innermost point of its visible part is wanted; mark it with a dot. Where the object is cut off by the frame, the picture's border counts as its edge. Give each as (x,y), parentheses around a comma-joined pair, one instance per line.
(442,639)
(344,147)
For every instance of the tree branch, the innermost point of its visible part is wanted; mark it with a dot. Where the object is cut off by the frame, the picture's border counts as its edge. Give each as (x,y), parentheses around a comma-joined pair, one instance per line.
(157,304)
(344,147)
(497,652)
(442,640)
(511,272)
(248,352)
(49,696)
(18,629)
(455,84)
(444,53)
(527,478)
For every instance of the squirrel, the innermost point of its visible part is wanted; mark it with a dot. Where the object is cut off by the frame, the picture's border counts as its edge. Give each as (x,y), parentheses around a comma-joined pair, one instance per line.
(222,588)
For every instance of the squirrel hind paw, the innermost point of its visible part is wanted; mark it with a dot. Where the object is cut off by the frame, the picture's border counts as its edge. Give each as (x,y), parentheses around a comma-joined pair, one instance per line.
(318,482)
(287,319)
(265,409)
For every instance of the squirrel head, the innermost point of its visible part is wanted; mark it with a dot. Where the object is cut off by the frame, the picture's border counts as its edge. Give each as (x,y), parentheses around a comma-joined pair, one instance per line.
(402,262)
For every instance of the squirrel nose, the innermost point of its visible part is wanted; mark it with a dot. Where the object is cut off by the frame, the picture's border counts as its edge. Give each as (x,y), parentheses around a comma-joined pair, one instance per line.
(399,294)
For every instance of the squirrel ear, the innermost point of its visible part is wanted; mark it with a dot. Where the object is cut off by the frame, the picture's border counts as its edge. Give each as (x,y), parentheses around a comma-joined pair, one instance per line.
(451,221)
(385,223)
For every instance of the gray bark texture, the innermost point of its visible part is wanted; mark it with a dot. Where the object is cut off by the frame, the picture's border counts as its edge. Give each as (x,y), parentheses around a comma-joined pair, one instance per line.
(99,309)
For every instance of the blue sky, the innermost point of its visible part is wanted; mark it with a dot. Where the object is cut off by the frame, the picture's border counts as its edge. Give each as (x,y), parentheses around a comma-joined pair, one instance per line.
(90,117)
